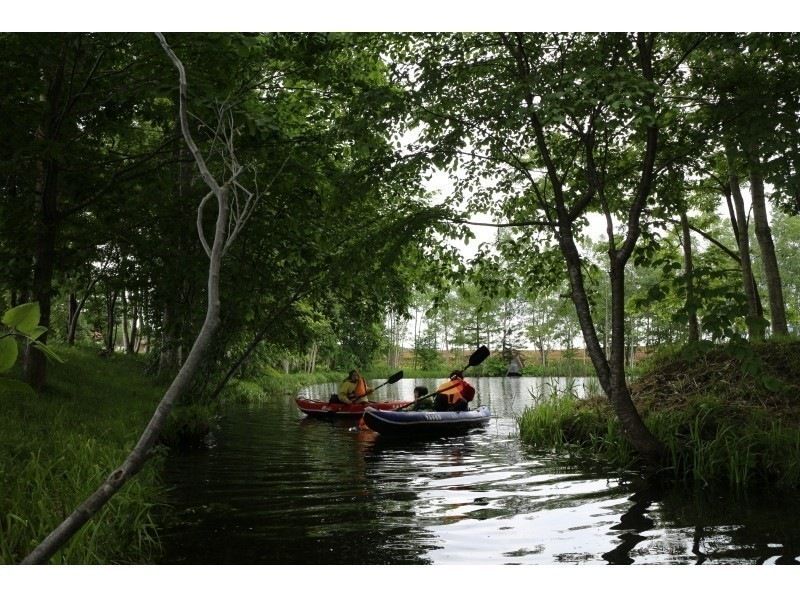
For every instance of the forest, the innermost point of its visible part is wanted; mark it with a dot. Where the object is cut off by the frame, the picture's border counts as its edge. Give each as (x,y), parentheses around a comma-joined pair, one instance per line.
(228,210)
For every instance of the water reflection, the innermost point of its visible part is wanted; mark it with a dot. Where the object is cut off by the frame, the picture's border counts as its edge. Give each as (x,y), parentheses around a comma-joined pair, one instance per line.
(279,488)
(634,521)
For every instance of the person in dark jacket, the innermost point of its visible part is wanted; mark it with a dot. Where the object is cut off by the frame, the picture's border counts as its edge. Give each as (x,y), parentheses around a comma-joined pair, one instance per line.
(421,391)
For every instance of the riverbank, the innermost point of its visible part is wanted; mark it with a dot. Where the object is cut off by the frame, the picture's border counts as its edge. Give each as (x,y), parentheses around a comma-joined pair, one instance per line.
(57,447)
(494,368)
(728,415)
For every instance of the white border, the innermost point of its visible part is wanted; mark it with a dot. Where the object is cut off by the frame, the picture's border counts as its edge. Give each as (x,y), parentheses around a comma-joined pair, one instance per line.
(399,15)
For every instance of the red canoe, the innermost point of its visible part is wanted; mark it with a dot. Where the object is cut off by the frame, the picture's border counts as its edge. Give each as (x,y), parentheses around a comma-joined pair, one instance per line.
(321,408)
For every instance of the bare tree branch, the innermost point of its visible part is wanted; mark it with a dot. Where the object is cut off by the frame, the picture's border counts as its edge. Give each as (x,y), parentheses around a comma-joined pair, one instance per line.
(200,232)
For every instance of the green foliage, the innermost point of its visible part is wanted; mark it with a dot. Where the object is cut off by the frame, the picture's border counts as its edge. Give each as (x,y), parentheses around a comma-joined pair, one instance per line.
(24,318)
(8,353)
(21,321)
(272,384)
(188,425)
(494,365)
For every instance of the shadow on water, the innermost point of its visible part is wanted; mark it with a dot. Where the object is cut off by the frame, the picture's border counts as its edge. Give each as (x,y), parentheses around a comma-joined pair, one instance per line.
(279,488)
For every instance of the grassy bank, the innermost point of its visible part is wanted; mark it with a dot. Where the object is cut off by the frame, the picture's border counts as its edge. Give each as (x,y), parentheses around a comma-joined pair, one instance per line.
(727,415)
(273,383)
(56,448)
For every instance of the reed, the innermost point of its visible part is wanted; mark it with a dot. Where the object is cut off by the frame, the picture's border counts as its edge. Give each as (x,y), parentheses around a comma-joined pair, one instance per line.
(709,442)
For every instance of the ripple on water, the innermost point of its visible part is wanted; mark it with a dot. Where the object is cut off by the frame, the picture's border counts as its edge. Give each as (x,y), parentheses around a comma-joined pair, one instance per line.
(280,488)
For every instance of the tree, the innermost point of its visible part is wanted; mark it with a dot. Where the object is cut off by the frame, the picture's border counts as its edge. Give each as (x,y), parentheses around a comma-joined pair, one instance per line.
(745,82)
(560,124)
(71,100)
(226,221)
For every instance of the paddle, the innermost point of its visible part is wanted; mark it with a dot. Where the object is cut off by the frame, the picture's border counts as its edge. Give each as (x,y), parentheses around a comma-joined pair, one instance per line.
(475,359)
(391,380)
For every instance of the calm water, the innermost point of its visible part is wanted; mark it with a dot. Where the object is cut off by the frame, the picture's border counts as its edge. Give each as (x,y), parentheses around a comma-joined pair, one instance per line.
(279,488)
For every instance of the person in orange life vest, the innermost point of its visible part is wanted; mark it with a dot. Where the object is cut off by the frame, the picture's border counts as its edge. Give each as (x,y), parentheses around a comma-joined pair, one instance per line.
(454,394)
(353,389)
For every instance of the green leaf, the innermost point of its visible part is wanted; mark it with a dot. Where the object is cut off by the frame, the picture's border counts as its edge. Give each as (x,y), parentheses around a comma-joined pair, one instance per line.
(47,351)
(773,384)
(8,353)
(24,318)
(36,332)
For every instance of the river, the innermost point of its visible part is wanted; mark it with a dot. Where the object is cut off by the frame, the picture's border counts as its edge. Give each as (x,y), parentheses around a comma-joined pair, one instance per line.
(275,487)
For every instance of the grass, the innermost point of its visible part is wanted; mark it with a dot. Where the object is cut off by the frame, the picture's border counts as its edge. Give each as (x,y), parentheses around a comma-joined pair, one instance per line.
(726,417)
(272,383)
(57,447)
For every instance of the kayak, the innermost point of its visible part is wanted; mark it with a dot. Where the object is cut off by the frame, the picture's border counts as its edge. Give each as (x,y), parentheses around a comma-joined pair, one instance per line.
(325,409)
(424,423)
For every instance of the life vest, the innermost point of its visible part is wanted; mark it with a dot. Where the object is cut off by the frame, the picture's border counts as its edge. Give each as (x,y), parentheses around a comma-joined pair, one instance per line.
(361,387)
(456,390)
(358,388)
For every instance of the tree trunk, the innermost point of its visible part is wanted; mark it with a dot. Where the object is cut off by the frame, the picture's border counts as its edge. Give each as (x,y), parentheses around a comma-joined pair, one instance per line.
(755,326)
(611,374)
(640,437)
(312,365)
(47,210)
(71,311)
(75,316)
(35,361)
(688,269)
(111,323)
(125,335)
(777,305)
(167,358)
(132,342)
(416,339)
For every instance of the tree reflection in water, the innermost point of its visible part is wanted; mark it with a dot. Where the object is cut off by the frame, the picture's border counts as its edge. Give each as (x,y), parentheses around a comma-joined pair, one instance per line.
(634,521)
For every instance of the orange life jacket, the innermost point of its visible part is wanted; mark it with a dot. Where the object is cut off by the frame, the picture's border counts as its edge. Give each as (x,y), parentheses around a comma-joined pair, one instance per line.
(456,390)
(361,387)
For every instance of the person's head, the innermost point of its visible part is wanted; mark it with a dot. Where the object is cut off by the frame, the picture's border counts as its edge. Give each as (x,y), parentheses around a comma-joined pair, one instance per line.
(456,375)
(420,391)
(353,376)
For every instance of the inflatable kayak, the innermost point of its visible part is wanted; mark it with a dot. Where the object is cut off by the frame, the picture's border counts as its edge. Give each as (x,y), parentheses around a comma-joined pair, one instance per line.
(413,423)
(325,409)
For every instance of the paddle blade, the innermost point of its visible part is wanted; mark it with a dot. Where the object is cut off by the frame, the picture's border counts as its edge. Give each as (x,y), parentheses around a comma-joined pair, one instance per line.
(478,356)
(395,377)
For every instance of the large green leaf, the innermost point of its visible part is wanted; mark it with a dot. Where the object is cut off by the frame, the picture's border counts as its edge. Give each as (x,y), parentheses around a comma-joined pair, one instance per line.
(8,353)
(23,317)
(36,332)
(48,352)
